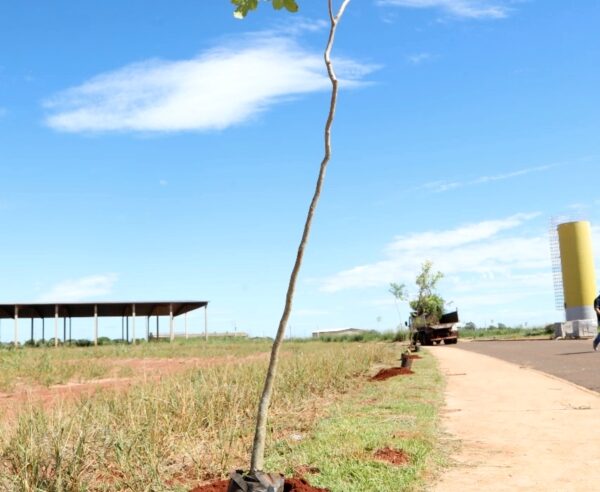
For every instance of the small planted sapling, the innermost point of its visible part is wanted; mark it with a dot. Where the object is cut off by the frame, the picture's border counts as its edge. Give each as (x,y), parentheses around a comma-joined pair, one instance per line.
(255,479)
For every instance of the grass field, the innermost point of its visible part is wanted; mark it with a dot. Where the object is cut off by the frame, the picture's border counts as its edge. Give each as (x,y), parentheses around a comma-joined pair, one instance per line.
(47,366)
(506,333)
(186,427)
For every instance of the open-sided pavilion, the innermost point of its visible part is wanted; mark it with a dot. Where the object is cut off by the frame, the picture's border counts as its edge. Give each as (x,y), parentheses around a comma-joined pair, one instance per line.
(95,310)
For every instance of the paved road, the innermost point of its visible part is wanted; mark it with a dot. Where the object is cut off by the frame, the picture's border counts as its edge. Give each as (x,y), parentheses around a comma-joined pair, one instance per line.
(573,360)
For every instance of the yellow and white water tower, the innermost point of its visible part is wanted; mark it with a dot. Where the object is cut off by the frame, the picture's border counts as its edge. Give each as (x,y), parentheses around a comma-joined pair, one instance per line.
(577,265)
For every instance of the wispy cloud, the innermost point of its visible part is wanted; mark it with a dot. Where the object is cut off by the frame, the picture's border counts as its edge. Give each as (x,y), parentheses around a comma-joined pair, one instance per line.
(299,25)
(441,186)
(471,9)
(80,289)
(459,236)
(3,112)
(493,269)
(224,86)
(477,248)
(418,58)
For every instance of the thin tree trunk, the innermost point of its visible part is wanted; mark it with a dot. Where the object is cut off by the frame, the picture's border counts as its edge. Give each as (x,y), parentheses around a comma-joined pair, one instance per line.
(258,447)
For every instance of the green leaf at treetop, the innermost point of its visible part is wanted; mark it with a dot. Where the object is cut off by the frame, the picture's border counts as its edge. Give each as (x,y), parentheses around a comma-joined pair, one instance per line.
(242,7)
(290,5)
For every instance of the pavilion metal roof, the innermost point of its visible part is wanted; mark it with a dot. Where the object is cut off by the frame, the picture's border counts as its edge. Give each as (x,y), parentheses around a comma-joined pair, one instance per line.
(105,309)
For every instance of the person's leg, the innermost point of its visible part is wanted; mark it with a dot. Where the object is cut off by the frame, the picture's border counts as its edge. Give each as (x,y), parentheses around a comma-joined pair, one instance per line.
(596,341)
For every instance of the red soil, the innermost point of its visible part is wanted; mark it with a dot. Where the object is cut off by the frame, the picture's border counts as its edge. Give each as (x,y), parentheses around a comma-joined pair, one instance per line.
(390,373)
(219,486)
(300,485)
(305,470)
(291,485)
(393,456)
(414,356)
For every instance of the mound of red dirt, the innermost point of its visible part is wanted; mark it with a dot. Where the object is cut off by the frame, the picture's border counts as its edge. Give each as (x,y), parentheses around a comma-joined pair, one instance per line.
(390,373)
(291,485)
(301,485)
(393,456)
(219,486)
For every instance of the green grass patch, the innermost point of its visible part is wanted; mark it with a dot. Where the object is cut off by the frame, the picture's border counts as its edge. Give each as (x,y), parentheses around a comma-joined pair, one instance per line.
(506,333)
(400,413)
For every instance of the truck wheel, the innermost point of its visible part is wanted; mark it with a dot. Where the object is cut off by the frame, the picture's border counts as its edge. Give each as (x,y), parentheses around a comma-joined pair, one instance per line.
(450,341)
(437,342)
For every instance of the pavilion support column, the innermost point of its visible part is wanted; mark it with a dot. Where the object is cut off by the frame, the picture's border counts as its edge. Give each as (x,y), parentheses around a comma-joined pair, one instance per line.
(148,328)
(171,332)
(96,325)
(206,323)
(56,325)
(70,330)
(65,330)
(122,329)
(31,331)
(43,330)
(16,325)
(186,325)
(133,323)
(157,327)
(127,329)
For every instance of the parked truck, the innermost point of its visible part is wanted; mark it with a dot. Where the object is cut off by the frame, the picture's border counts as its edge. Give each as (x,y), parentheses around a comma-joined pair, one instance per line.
(444,330)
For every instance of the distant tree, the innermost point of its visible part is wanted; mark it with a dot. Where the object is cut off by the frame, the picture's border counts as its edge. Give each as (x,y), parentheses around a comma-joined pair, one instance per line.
(398,291)
(428,307)
(470,326)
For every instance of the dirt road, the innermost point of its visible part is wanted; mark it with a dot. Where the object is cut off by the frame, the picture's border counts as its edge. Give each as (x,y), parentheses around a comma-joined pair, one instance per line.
(518,429)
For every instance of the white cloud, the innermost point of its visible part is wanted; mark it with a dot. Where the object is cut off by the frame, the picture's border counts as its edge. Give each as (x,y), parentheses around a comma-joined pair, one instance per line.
(223,86)
(418,58)
(80,289)
(495,269)
(462,235)
(471,9)
(476,249)
(441,186)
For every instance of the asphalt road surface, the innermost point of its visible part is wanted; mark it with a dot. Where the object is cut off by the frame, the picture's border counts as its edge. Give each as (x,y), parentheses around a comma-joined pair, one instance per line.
(573,360)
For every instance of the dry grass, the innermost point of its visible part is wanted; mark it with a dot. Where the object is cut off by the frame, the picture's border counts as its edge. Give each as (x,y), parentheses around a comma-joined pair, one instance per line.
(170,434)
(46,366)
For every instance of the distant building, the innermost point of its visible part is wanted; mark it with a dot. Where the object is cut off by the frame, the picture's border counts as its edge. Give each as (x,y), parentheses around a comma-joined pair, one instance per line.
(338,332)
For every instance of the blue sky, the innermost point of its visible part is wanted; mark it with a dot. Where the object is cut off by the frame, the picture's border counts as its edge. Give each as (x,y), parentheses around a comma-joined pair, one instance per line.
(154,150)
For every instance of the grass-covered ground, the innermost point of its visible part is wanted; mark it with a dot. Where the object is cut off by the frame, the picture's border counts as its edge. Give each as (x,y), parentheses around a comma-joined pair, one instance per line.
(47,366)
(172,433)
(506,333)
(400,413)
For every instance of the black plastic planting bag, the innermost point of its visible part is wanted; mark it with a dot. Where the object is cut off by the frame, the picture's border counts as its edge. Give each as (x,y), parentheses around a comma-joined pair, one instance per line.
(255,482)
